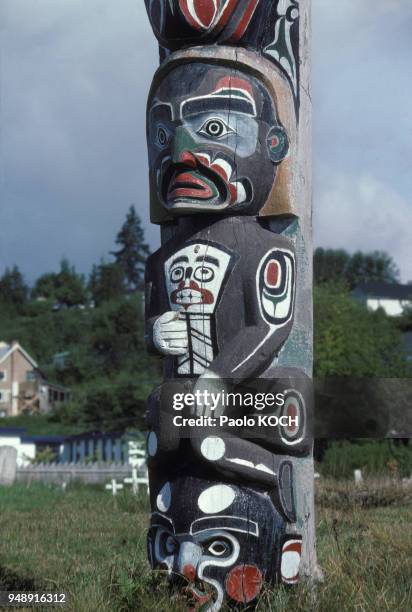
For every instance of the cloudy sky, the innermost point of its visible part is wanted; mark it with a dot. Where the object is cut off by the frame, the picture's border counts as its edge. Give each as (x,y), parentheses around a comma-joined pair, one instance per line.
(74,76)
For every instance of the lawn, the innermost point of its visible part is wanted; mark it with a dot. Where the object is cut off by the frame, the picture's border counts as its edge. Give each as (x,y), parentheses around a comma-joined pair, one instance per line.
(92,546)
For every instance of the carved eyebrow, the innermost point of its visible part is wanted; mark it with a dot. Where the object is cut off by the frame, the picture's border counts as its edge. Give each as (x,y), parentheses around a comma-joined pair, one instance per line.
(227,523)
(206,104)
(162,108)
(208,259)
(182,259)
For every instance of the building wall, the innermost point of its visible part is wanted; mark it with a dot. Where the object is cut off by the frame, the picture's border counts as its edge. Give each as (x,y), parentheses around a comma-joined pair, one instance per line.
(25,450)
(393,308)
(16,368)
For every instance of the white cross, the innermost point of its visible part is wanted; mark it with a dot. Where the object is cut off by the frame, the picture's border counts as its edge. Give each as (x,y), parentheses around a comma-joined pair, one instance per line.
(114,486)
(134,481)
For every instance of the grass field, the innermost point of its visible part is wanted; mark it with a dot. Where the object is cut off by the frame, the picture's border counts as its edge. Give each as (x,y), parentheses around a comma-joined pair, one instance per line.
(92,546)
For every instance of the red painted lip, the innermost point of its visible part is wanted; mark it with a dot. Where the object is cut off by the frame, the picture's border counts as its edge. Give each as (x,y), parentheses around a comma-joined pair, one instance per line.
(188,185)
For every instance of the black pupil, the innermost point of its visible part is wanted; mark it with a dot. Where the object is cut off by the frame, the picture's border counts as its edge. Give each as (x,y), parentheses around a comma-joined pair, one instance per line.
(215,128)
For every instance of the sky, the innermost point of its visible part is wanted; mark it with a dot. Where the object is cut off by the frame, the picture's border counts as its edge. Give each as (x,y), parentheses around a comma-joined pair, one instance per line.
(74,78)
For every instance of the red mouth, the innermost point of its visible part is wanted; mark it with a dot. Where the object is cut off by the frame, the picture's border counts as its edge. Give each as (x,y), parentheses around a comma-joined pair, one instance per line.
(188,295)
(188,185)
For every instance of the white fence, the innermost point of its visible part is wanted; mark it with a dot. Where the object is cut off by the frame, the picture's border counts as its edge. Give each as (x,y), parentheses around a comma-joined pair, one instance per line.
(88,473)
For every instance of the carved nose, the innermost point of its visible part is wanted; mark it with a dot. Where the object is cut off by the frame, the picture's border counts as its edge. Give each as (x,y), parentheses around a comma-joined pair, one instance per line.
(189,572)
(187,158)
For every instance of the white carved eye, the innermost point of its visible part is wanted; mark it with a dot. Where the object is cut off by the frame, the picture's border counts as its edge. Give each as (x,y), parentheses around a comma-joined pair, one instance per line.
(215,128)
(218,548)
(170,545)
(177,274)
(204,274)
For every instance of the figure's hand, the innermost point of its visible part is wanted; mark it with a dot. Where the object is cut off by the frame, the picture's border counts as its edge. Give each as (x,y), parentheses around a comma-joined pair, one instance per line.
(170,334)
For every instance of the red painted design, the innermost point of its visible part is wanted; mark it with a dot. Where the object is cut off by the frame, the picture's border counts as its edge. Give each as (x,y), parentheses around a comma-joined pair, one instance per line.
(244,583)
(189,572)
(294,546)
(188,185)
(234,83)
(244,22)
(292,412)
(273,273)
(206,14)
(200,295)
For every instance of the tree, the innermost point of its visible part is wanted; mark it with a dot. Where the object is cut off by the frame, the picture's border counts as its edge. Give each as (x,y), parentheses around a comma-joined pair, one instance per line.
(13,289)
(107,282)
(352,341)
(133,252)
(66,287)
(337,265)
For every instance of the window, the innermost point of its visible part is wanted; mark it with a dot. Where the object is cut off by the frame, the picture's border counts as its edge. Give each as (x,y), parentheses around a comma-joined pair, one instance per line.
(31,376)
(4,396)
(3,375)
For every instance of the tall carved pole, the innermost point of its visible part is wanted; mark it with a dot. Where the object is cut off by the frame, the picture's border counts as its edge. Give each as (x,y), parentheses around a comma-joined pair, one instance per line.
(229,297)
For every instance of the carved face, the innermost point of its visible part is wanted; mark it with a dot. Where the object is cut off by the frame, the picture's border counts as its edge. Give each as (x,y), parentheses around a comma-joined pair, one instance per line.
(225,544)
(186,20)
(214,141)
(194,278)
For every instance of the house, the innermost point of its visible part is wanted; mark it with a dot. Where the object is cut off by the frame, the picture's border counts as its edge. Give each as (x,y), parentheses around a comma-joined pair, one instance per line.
(23,388)
(391,297)
(117,447)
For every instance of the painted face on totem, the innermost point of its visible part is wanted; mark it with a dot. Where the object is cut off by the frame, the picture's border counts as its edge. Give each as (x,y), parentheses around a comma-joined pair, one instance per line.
(195,277)
(225,544)
(188,20)
(214,141)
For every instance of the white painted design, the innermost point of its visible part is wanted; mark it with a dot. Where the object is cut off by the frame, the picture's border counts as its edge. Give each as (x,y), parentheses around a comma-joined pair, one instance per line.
(213,448)
(164,498)
(216,498)
(282,33)
(194,280)
(152,444)
(259,466)
(291,555)
(170,334)
(215,562)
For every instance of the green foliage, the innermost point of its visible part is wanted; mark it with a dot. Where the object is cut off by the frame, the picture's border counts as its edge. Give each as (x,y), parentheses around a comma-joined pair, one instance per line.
(352,341)
(374,458)
(46,455)
(133,251)
(13,290)
(337,265)
(66,287)
(107,282)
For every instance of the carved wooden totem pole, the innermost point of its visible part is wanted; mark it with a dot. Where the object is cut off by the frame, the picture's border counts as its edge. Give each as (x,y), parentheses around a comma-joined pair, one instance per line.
(229,298)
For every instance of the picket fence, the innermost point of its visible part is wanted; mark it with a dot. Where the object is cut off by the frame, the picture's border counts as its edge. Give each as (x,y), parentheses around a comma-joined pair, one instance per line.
(88,473)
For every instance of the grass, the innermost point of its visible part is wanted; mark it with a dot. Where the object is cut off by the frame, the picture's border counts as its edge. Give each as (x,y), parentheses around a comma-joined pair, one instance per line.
(92,546)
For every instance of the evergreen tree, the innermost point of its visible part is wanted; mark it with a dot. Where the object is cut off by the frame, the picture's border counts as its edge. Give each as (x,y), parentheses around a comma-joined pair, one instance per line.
(337,265)
(133,251)
(13,289)
(107,282)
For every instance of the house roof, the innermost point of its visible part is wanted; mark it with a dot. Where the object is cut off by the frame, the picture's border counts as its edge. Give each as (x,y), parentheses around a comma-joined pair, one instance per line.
(391,291)
(7,349)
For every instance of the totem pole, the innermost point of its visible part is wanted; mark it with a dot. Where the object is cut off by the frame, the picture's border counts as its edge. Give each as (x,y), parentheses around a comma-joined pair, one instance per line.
(229,298)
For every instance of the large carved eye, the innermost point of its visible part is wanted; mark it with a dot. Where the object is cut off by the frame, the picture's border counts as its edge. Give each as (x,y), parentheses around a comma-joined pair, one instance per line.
(162,136)
(203,274)
(218,548)
(177,274)
(215,128)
